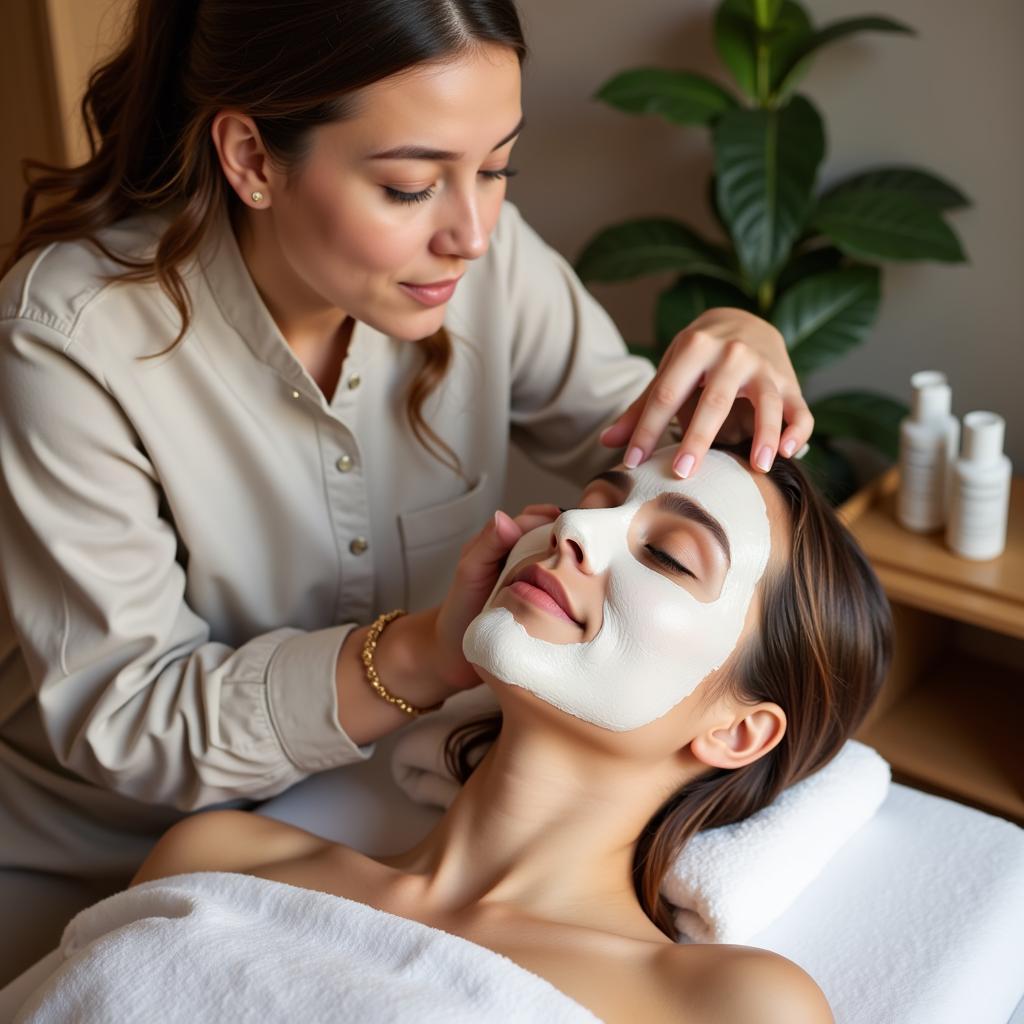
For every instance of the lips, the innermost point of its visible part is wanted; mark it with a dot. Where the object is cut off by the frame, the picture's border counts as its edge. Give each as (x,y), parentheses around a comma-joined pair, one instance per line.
(434,294)
(540,578)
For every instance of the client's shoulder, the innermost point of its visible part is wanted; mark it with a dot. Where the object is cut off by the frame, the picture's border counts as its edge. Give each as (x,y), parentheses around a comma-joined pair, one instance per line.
(742,983)
(226,840)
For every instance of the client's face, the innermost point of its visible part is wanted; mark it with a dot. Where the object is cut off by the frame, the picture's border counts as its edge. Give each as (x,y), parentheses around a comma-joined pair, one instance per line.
(619,609)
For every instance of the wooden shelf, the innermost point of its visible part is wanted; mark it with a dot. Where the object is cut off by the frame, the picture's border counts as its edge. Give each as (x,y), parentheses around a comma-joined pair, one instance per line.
(920,570)
(946,720)
(957,732)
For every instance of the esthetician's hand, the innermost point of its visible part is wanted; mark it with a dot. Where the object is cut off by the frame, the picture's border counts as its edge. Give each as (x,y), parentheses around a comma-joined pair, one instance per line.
(480,564)
(724,355)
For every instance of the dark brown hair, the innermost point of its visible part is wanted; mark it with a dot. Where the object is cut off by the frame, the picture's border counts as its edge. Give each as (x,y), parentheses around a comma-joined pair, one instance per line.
(290,66)
(821,654)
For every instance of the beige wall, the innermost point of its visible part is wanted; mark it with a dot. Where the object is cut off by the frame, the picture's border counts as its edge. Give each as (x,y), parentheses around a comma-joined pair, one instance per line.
(948,100)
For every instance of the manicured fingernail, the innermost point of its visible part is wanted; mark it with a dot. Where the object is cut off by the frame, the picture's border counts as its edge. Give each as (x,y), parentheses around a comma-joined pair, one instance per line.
(684,465)
(633,457)
(764,458)
(789,447)
(607,430)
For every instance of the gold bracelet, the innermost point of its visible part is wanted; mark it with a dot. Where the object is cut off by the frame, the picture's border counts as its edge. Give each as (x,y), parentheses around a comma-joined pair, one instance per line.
(369,646)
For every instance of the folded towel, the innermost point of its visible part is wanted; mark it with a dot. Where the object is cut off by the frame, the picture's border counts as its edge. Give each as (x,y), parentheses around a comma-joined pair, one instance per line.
(216,947)
(729,882)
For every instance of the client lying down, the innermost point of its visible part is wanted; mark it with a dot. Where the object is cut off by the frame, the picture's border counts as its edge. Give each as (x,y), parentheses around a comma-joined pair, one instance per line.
(667,657)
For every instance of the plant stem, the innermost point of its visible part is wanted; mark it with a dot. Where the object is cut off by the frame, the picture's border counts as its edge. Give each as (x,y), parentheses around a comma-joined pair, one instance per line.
(766,296)
(764,87)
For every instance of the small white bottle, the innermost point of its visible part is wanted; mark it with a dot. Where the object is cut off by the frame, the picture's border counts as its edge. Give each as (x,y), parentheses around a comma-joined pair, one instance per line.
(980,498)
(929,438)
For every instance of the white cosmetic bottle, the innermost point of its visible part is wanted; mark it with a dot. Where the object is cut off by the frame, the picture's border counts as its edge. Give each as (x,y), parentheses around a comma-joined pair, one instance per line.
(980,497)
(929,438)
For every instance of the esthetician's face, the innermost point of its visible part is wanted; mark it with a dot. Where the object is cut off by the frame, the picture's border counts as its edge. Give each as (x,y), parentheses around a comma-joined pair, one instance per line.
(618,610)
(405,193)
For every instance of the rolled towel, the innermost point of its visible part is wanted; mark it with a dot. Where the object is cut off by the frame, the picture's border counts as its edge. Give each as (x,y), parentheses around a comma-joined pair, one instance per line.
(729,883)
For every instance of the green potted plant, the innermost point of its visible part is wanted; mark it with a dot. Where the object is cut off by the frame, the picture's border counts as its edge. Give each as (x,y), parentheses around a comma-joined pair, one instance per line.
(803,260)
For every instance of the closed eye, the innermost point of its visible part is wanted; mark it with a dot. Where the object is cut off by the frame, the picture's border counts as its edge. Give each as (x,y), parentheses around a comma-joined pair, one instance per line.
(398,196)
(667,560)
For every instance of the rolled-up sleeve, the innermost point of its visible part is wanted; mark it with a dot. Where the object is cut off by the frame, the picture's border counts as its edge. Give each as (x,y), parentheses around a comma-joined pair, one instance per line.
(133,693)
(572,374)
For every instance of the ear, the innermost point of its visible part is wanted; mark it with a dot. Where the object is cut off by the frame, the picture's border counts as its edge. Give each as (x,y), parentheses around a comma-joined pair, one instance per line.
(752,732)
(243,157)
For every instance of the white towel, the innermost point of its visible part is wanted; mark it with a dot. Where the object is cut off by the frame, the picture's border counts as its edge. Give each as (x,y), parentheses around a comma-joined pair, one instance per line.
(214,947)
(729,882)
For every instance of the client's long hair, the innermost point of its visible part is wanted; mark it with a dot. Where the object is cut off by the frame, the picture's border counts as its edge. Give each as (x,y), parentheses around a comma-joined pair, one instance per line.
(821,654)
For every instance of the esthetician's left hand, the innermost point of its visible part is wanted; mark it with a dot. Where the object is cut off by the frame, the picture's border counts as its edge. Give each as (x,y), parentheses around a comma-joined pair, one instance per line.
(724,355)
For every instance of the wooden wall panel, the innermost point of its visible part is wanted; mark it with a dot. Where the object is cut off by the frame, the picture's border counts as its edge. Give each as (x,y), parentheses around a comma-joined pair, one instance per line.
(47,48)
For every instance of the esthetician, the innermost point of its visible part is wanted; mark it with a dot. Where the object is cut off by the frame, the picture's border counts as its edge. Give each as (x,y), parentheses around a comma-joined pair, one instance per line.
(260,357)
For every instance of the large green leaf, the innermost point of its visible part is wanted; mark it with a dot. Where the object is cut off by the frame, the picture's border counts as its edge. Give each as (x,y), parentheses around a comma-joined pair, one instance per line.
(880,224)
(864,415)
(821,317)
(809,263)
(766,162)
(736,42)
(925,187)
(641,247)
(684,301)
(797,60)
(752,52)
(678,96)
(766,12)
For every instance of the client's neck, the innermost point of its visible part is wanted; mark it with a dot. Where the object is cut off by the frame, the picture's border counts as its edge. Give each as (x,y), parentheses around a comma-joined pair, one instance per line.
(546,826)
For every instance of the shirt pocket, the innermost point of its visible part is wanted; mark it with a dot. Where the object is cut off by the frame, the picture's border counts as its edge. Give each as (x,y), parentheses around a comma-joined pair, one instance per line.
(432,540)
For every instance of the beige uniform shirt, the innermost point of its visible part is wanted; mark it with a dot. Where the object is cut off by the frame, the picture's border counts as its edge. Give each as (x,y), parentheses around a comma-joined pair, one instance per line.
(186,541)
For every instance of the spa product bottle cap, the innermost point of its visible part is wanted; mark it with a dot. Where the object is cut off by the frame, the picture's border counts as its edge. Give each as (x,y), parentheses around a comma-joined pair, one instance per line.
(933,397)
(984,433)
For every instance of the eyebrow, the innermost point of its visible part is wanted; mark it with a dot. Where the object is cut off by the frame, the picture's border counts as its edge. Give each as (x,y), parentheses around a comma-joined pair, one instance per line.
(425,153)
(676,503)
(689,509)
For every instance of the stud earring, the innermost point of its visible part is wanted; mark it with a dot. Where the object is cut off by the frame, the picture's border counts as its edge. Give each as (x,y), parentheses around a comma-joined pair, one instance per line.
(257,196)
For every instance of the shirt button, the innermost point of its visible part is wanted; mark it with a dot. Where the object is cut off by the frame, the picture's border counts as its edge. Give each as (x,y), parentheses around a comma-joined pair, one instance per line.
(354,381)
(295,394)
(359,545)
(344,464)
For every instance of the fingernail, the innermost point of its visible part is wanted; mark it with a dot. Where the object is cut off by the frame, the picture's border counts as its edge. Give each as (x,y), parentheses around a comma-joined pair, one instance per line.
(684,465)
(764,458)
(607,430)
(633,457)
(788,448)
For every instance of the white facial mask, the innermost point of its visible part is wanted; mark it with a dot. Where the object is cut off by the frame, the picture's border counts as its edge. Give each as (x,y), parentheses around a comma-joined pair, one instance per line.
(657,641)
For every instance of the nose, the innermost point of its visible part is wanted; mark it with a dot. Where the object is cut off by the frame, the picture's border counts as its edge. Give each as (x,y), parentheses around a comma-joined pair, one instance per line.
(585,537)
(462,232)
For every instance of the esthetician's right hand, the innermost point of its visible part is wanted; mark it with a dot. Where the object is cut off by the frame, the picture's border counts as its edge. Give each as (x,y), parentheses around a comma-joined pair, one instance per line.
(480,564)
